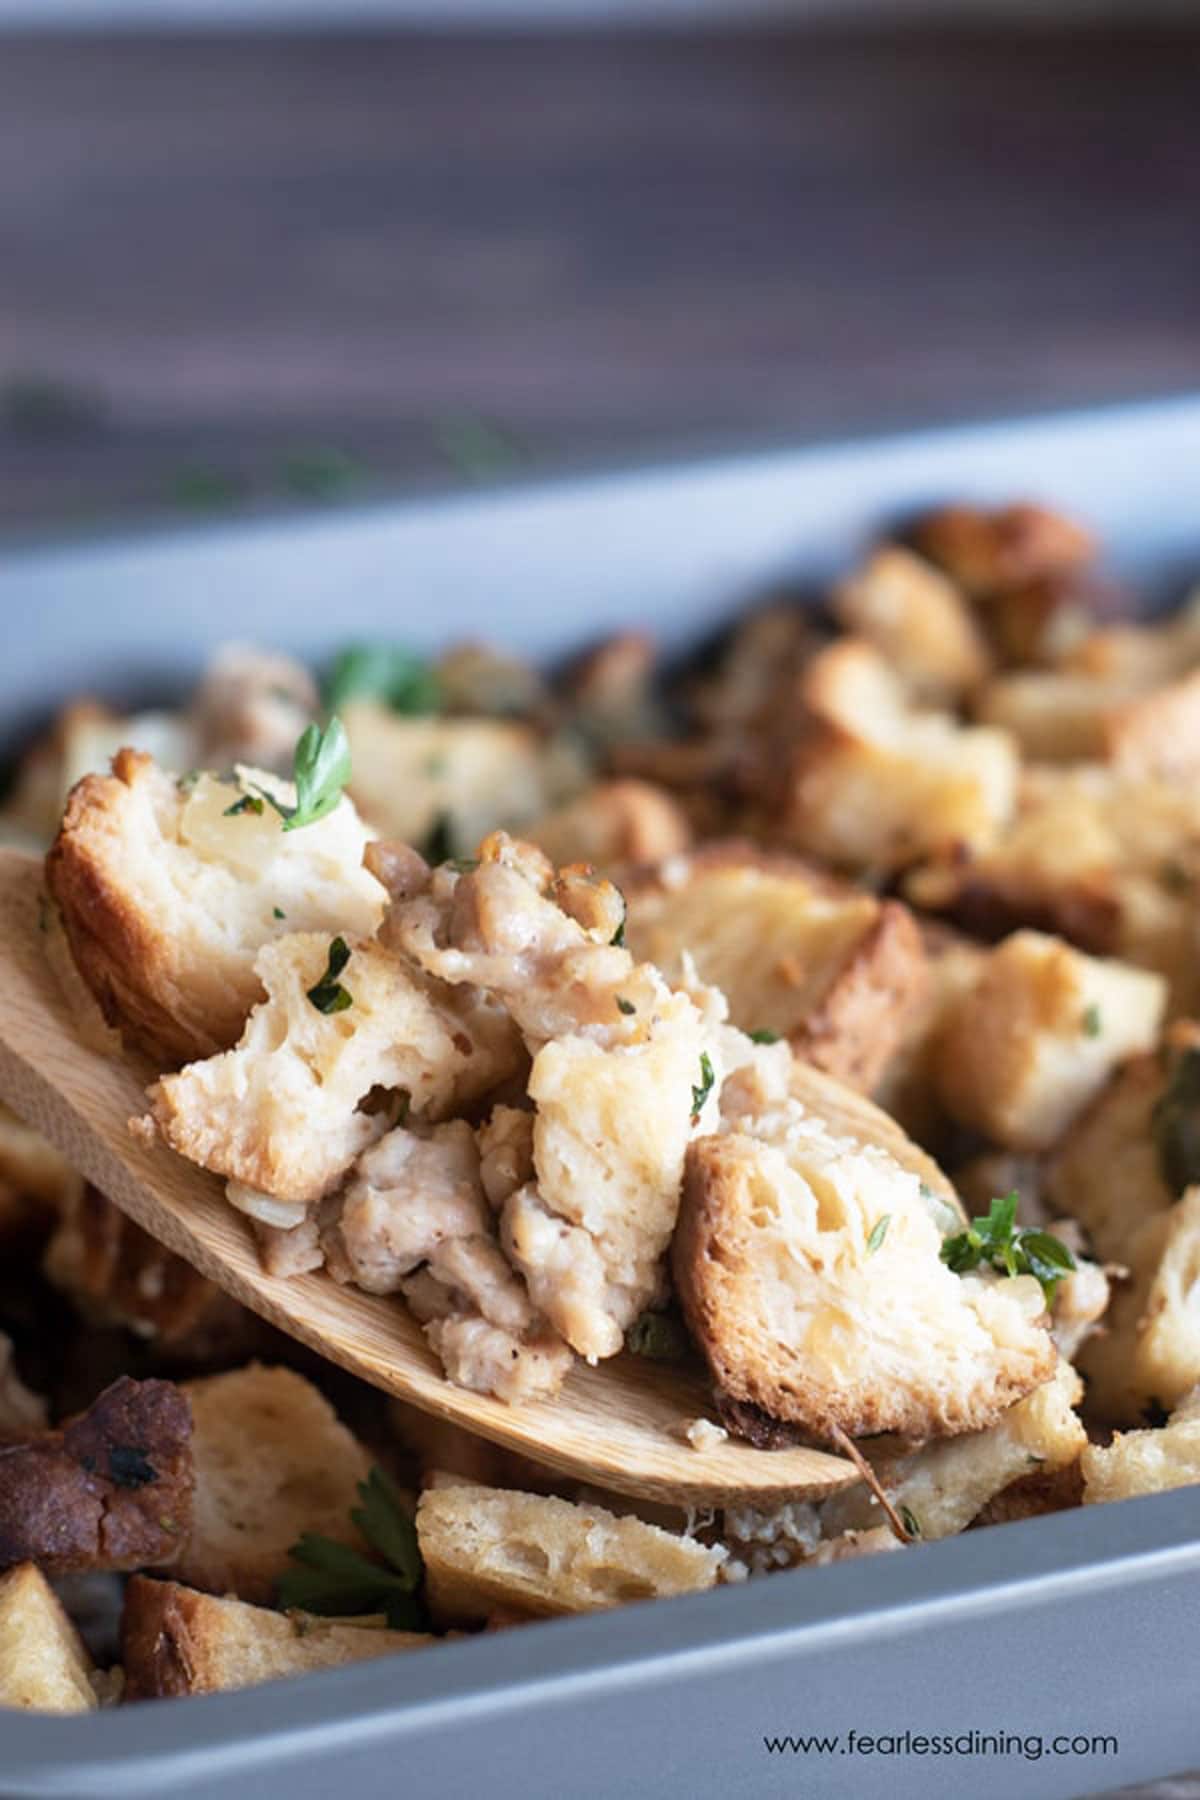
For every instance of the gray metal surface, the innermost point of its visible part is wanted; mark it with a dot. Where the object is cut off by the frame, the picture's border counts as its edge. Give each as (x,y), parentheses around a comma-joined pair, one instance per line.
(1084,1623)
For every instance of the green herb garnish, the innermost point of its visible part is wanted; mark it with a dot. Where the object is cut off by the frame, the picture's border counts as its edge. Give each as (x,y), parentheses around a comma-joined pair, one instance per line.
(320,770)
(625,1006)
(335,1580)
(879,1231)
(658,1336)
(909,1520)
(279,913)
(700,1094)
(249,803)
(1092,1023)
(388,673)
(1175,1123)
(618,936)
(329,996)
(999,1242)
(763,1036)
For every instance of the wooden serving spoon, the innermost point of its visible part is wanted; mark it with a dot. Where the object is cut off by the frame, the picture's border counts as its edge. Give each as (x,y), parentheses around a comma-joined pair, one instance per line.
(621,1425)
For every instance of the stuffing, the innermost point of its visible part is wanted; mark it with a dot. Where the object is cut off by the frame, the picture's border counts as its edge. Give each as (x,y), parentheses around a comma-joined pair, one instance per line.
(415,1207)
(284,1111)
(421,778)
(1112,865)
(807,1261)
(22,1412)
(111,1490)
(491,1547)
(1036,1038)
(1055,715)
(905,1087)
(764,654)
(989,552)
(251,707)
(476,679)
(836,971)
(1046,621)
(613,824)
(918,621)
(942,1487)
(1148,1355)
(1146,1462)
(43,1664)
(610,691)
(167,900)
(272,1461)
(177,1641)
(870,784)
(623,1073)
(1157,735)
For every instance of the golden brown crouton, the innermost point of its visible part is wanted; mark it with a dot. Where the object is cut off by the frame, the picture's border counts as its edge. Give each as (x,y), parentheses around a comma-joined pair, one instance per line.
(43,1664)
(1055,715)
(807,1260)
(918,621)
(613,824)
(251,707)
(1157,735)
(282,1112)
(272,1461)
(177,1641)
(1038,1036)
(989,552)
(905,1088)
(1108,1172)
(167,898)
(870,784)
(112,1490)
(836,971)
(1148,1354)
(1146,1462)
(491,1547)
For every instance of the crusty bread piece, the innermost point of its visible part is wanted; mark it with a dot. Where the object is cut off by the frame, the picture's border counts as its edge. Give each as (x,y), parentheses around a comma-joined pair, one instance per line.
(905,1087)
(1148,1355)
(943,1487)
(807,1262)
(491,1547)
(1106,1172)
(1157,734)
(613,824)
(251,707)
(280,1113)
(836,971)
(917,620)
(872,785)
(167,900)
(1054,715)
(464,777)
(1146,1462)
(1038,1036)
(177,1641)
(111,1490)
(989,551)
(272,1461)
(43,1664)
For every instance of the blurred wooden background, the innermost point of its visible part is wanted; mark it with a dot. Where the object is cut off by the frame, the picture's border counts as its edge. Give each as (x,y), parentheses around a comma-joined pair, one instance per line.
(250,267)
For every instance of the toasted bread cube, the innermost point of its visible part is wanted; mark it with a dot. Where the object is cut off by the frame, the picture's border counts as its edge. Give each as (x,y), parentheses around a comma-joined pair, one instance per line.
(272,1461)
(167,899)
(1157,735)
(111,1490)
(251,707)
(991,551)
(807,1260)
(1054,716)
(872,785)
(836,971)
(1039,1035)
(613,824)
(905,1087)
(485,1548)
(917,620)
(943,1487)
(281,1114)
(1107,1172)
(177,1641)
(1146,1462)
(460,778)
(1149,1352)
(43,1664)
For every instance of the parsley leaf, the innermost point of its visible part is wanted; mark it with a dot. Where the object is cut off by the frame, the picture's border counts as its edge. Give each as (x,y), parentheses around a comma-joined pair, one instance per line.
(909,1520)
(700,1094)
(997,1241)
(249,803)
(320,770)
(660,1337)
(329,996)
(879,1231)
(1092,1023)
(625,1006)
(764,1037)
(385,672)
(336,1580)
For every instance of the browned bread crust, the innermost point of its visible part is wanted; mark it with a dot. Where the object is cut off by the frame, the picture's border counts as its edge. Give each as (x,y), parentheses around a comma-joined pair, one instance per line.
(112,1490)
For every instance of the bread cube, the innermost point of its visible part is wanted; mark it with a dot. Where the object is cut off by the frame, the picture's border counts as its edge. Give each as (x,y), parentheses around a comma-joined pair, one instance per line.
(1146,1462)
(43,1664)
(1149,1352)
(613,824)
(918,621)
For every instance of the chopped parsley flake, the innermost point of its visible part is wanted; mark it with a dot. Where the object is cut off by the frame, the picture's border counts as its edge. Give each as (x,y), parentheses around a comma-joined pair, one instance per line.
(878,1232)
(329,996)
(1092,1022)
(625,1006)
(249,803)
(763,1036)
(700,1094)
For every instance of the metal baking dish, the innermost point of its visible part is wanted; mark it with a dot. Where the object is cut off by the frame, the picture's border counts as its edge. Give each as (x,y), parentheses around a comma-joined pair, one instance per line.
(1083,1624)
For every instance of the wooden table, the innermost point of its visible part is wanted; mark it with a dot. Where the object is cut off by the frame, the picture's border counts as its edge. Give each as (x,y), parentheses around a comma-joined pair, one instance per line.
(248,266)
